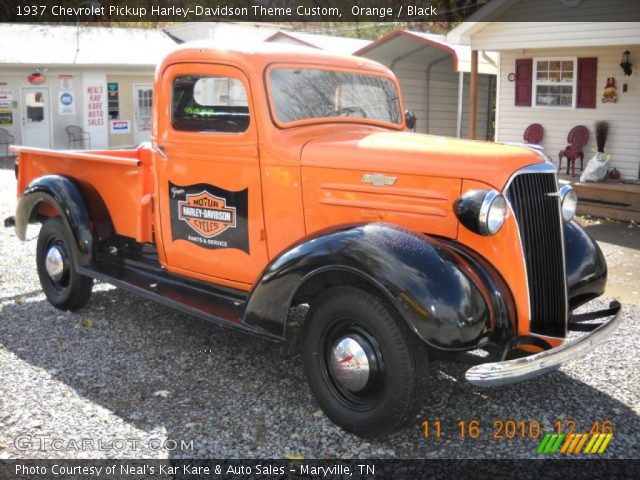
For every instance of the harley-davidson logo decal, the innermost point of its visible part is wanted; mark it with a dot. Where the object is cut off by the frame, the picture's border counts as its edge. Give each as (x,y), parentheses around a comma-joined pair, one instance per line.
(207,214)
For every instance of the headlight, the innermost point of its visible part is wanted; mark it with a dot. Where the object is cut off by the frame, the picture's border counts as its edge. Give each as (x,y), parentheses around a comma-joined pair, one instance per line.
(568,202)
(481,211)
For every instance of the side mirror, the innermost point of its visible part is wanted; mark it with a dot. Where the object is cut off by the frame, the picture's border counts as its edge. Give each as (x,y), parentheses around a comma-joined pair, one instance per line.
(410,119)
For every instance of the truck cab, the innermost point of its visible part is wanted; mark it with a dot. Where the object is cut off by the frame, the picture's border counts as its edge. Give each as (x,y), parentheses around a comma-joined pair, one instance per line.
(277,178)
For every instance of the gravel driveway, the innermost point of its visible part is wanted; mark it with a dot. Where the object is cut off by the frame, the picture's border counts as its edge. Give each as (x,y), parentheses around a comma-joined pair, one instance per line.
(134,379)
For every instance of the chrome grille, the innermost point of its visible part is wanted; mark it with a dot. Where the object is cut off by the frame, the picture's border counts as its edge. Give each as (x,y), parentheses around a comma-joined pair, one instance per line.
(538,218)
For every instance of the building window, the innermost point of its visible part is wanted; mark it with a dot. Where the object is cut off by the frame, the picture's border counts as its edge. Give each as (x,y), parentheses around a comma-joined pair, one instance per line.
(554,82)
(113,89)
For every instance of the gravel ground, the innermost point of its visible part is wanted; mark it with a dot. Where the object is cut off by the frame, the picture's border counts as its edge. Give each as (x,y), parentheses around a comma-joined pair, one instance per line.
(131,377)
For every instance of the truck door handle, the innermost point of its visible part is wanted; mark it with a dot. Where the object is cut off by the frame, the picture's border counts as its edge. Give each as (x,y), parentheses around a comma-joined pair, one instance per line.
(162,152)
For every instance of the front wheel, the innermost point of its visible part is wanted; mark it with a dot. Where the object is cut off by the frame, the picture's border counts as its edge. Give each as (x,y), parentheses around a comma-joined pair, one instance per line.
(63,286)
(366,369)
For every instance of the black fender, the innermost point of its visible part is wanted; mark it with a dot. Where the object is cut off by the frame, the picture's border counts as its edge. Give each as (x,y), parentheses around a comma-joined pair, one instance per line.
(586,266)
(434,288)
(77,205)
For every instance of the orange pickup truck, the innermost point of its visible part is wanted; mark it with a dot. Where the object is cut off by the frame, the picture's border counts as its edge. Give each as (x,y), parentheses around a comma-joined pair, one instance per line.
(278,178)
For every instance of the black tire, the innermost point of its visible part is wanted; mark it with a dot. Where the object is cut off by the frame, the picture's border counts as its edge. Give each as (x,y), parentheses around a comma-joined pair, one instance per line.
(73,290)
(395,389)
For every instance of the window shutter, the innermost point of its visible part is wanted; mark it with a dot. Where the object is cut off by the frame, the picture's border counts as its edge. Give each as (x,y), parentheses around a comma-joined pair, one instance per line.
(524,77)
(587,77)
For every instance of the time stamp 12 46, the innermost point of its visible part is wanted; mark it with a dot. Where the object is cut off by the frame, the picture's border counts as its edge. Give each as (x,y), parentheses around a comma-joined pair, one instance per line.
(500,429)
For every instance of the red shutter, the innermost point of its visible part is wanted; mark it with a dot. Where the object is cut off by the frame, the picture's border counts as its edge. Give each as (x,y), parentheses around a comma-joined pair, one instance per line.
(524,76)
(587,77)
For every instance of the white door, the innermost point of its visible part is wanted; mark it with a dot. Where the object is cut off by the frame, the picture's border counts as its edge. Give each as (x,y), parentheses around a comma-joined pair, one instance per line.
(143,95)
(36,117)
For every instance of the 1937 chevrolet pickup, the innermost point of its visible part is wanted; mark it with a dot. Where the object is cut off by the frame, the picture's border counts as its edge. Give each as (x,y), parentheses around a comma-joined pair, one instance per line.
(280,178)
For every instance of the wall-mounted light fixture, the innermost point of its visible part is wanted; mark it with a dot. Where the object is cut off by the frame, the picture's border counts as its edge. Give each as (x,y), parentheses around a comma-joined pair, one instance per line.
(625,64)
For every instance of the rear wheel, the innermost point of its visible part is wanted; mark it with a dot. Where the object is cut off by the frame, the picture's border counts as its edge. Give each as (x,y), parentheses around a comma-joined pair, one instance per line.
(366,369)
(63,286)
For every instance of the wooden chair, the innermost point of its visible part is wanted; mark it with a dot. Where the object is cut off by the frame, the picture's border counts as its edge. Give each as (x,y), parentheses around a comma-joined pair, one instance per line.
(577,139)
(533,134)
(75,136)
(6,139)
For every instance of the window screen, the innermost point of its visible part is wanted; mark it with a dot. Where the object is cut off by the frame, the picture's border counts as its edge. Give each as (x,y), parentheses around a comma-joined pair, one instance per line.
(209,104)
(554,82)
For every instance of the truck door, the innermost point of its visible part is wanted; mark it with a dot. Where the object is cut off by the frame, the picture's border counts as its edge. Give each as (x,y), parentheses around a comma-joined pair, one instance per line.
(208,175)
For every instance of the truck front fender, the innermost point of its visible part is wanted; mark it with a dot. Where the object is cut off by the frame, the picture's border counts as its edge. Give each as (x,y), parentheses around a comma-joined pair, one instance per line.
(434,289)
(585,264)
(65,197)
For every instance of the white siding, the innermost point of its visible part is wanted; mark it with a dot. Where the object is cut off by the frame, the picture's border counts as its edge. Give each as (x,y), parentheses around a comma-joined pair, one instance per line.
(623,142)
(442,104)
(510,35)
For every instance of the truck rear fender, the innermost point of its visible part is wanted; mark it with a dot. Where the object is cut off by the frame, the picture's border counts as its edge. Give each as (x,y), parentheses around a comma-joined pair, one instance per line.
(79,205)
(434,288)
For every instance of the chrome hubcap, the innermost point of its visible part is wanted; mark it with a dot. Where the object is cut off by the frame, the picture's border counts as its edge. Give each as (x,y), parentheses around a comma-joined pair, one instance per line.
(351,362)
(55,263)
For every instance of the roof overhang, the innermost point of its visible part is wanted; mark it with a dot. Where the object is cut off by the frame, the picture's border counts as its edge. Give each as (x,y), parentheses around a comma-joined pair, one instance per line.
(424,49)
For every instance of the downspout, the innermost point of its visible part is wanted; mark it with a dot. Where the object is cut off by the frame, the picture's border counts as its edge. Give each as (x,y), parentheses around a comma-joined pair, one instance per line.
(490,61)
(428,89)
(460,97)
(489,90)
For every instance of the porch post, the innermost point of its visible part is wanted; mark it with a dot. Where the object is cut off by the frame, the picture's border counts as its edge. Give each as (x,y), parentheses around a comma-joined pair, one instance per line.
(473,110)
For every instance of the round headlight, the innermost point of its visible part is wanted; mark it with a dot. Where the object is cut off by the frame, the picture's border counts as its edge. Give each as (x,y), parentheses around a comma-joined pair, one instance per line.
(568,202)
(481,211)
(492,213)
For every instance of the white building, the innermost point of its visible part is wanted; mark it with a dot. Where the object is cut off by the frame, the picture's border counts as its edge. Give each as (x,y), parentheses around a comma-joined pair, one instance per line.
(586,52)
(100,79)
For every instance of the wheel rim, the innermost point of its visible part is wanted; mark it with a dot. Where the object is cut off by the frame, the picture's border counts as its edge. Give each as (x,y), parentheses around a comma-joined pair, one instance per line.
(56,264)
(353,365)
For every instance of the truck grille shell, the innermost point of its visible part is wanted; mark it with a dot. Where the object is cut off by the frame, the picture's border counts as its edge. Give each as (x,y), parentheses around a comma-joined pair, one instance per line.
(540,228)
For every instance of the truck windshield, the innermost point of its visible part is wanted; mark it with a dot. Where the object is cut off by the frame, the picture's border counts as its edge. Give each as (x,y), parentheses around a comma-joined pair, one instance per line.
(302,93)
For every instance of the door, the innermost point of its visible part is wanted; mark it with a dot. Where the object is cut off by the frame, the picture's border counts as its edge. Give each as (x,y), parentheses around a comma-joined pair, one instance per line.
(208,174)
(143,95)
(36,118)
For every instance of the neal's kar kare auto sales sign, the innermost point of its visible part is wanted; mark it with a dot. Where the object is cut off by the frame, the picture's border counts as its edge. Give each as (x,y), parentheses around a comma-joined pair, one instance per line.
(95,113)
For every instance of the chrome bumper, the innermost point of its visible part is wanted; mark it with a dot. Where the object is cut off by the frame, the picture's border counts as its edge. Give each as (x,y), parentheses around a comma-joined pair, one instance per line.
(510,371)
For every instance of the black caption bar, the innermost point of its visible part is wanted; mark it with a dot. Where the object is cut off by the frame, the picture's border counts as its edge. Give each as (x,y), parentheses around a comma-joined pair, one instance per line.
(316,469)
(238,10)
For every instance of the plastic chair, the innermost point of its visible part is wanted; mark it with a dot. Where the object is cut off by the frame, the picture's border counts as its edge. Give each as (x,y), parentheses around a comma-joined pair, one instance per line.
(76,135)
(533,134)
(577,139)
(6,139)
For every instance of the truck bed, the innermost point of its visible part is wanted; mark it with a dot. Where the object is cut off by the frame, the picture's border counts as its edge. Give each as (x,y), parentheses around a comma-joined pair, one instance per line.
(122,178)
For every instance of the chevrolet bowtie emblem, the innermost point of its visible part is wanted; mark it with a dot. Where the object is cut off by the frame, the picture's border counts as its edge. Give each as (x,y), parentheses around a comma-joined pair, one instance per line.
(378,179)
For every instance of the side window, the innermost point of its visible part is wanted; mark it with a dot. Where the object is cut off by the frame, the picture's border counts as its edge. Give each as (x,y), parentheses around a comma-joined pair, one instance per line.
(209,104)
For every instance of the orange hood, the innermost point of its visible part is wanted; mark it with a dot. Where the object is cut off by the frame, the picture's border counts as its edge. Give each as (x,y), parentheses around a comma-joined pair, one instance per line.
(417,154)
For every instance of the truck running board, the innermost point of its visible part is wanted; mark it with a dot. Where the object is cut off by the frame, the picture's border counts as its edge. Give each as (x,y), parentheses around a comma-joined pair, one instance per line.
(215,305)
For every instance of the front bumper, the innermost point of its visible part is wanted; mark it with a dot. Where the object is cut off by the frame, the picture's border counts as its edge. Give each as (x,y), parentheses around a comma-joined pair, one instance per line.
(510,371)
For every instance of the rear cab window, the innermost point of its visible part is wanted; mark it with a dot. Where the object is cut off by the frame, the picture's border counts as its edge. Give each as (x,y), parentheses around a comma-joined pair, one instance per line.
(202,103)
